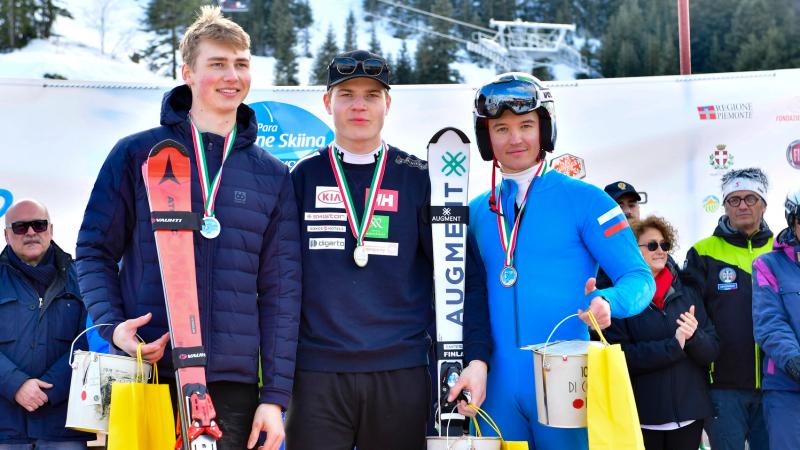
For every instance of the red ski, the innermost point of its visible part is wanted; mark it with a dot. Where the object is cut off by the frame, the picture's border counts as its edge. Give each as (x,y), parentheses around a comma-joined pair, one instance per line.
(167,175)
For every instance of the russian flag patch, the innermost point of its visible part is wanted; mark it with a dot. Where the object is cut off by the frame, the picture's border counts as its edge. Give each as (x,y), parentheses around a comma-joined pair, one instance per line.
(612,221)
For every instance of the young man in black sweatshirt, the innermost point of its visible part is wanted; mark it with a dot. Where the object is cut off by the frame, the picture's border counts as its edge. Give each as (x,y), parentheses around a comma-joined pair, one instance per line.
(361,377)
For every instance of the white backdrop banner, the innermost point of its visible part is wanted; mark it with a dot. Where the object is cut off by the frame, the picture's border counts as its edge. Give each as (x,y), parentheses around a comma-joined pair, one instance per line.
(671,137)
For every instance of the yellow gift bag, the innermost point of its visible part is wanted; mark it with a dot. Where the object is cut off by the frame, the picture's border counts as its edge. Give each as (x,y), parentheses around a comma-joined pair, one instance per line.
(610,407)
(505,445)
(141,413)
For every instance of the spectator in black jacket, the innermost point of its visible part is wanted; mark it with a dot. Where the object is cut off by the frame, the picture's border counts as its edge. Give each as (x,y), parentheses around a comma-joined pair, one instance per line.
(668,348)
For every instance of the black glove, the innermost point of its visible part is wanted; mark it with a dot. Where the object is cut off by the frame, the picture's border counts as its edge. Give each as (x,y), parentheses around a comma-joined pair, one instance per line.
(793,368)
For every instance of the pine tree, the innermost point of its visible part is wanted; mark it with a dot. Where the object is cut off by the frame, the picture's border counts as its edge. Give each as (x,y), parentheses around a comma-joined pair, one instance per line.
(281,24)
(167,20)
(435,53)
(350,39)
(303,19)
(325,54)
(622,52)
(403,72)
(24,20)
(374,43)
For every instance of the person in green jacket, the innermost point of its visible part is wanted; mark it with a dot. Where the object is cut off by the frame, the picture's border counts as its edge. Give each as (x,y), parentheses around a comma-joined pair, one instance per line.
(722,265)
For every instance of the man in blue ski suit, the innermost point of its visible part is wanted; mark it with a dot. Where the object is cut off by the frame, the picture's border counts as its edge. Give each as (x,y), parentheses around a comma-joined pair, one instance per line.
(566,228)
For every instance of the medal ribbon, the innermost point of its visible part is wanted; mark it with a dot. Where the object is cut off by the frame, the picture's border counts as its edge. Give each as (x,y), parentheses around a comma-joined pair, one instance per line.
(208,187)
(508,239)
(359,230)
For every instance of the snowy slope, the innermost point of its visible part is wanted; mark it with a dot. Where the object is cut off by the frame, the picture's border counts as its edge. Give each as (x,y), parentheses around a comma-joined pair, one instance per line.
(75,52)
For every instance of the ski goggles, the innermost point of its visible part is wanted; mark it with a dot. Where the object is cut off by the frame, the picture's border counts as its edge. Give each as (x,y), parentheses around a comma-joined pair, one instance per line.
(519,96)
(21,227)
(653,246)
(347,66)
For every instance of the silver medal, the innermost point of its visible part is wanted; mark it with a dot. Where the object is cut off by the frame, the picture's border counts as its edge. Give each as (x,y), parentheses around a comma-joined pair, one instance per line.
(211,227)
(508,276)
(360,256)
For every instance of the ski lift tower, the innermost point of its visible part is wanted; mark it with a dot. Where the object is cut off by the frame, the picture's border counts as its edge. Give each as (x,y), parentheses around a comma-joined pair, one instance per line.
(234,6)
(522,46)
(511,45)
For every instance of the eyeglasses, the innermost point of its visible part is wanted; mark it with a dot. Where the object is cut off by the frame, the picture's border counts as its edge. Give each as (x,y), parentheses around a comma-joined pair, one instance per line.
(653,245)
(346,66)
(735,201)
(21,227)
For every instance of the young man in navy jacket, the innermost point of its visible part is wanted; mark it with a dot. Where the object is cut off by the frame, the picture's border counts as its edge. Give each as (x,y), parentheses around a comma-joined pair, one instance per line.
(248,276)
(362,378)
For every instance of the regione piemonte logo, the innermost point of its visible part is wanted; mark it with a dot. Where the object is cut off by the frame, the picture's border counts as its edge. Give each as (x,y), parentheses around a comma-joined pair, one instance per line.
(726,111)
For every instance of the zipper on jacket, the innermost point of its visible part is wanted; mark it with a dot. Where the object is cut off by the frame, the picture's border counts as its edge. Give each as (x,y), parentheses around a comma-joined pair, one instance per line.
(750,246)
(711,373)
(41,302)
(758,367)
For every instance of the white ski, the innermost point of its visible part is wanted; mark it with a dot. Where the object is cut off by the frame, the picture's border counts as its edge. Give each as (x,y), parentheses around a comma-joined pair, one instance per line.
(448,165)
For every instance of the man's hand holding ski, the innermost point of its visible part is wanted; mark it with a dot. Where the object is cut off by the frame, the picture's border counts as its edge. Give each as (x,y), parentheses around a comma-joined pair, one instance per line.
(126,340)
(472,379)
(268,418)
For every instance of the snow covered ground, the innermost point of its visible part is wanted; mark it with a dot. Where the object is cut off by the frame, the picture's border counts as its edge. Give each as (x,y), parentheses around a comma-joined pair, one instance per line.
(75,50)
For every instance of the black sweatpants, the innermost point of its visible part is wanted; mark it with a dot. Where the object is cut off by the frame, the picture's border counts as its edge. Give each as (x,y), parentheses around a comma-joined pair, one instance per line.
(685,438)
(372,411)
(235,404)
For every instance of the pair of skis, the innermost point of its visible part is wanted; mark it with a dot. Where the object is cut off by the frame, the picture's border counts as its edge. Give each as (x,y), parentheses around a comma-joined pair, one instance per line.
(167,175)
(448,166)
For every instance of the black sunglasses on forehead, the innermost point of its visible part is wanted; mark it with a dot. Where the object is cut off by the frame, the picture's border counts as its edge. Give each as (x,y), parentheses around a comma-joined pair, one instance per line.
(653,245)
(346,65)
(21,227)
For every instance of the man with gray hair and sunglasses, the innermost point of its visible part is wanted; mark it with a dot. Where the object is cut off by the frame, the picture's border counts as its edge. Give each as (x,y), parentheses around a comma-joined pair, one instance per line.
(40,314)
(722,265)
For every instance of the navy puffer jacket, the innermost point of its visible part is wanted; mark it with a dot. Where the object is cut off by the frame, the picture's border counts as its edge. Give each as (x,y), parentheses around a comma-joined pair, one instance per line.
(248,278)
(35,337)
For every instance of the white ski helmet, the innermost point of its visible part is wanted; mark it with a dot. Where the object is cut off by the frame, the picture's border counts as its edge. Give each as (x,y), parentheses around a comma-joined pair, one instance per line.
(520,93)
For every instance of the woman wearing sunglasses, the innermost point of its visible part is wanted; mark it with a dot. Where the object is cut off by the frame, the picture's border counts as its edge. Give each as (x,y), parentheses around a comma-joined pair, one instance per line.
(668,348)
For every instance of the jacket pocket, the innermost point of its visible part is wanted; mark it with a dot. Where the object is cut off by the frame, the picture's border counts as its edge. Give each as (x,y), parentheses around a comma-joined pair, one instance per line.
(64,317)
(9,320)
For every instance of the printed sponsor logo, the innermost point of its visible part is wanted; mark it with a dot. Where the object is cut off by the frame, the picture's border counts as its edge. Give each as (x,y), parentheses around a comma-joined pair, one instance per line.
(288,131)
(727,286)
(793,115)
(326,228)
(727,275)
(328,197)
(326,244)
(711,203)
(342,217)
(721,158)
(570,165)
(792,154)
(727,111)
(411,161)
(378,227)
(387,200)
(449,214)
(454,164)
(240,197)
(382,248)
(191,355)
(7,198)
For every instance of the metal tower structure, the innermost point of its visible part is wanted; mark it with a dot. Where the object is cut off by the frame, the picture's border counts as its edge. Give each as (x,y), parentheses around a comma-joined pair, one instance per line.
(511,45)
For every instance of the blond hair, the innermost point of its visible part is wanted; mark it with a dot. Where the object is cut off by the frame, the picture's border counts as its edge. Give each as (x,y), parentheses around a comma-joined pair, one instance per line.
(213,26)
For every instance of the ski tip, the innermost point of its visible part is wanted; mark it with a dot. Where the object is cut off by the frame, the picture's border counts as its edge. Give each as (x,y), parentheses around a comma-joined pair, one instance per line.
(168,143)
(444,130)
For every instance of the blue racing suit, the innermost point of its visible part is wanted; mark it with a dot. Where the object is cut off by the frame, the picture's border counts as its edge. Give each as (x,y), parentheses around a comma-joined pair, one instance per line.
(568,227)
